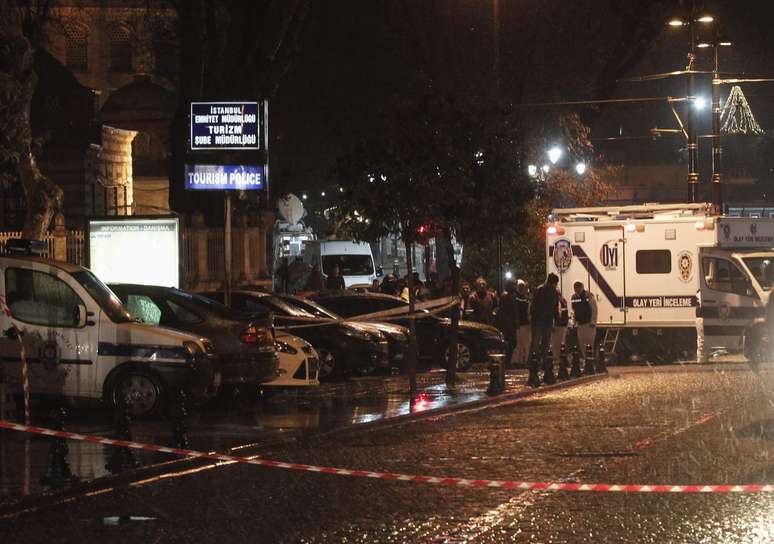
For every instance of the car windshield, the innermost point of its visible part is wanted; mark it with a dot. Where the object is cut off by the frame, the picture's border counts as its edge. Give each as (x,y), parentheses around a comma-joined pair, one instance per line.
(285,308)
(219,310)
(312,307)
(349,265)
(763,270)
(106,299)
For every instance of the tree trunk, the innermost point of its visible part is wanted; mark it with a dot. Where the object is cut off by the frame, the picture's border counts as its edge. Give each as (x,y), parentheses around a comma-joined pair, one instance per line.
(451,370)
(43,197)
(412,362)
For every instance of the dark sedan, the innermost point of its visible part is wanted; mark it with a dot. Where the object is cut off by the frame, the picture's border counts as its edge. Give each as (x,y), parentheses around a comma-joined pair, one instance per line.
(244,343)
(342,348)
(397,335)
(475,343)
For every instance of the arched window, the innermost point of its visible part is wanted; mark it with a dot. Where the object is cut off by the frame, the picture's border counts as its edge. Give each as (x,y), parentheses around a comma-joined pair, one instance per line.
(120,49)
(77,47)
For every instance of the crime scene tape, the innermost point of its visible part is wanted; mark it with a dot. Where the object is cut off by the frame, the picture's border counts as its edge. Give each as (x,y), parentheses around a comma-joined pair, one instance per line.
(434,480)
(23,356)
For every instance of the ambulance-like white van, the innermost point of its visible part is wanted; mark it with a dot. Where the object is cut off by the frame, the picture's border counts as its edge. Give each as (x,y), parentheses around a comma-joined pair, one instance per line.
(648,266)
(81,342)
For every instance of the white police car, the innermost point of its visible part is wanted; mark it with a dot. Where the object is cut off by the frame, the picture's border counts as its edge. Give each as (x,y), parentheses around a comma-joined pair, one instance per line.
(81,342)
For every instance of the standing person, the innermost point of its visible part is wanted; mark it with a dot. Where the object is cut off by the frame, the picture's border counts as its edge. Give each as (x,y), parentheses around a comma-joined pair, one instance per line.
(560,329)
(523,332)
(508,318)
(315,280)
(465,300)
(584,312)
(389,284)
(335,281)
(483,303)
(545,307)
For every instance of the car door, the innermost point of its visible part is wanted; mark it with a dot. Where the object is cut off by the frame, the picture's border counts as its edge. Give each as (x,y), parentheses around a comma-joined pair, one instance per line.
(61,350)
(728,301)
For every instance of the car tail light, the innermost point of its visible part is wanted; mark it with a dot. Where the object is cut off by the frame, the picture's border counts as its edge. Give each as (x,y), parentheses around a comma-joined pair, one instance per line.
(258,336)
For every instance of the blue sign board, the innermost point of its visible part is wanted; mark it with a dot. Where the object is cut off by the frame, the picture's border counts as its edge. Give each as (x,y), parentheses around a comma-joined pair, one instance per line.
(224,125)
(224,177)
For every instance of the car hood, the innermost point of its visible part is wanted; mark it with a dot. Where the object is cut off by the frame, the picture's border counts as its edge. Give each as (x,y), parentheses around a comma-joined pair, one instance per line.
(472,325)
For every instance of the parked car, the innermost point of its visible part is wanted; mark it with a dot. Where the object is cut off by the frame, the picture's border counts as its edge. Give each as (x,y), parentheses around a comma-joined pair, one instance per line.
(397,335)
(475,342)
(299,365)
(244,342)
(80,341)
(342,348)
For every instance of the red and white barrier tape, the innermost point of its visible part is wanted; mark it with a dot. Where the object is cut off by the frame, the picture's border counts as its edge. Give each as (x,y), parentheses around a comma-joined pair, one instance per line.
(23,355)
(436,480)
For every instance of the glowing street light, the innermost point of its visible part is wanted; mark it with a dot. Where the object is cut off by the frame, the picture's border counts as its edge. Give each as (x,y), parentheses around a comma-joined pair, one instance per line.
(532,170)
(580,168)
(545,168)
(699,103)
(322,193)
(303,197)
(554,154)
(508,275)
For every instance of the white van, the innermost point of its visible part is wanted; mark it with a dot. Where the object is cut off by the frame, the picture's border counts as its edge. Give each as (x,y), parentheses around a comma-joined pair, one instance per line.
(81,342)
(354,259)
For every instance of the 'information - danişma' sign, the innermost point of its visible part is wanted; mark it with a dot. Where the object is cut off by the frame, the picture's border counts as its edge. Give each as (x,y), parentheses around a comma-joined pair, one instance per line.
(224,125)
(224,177)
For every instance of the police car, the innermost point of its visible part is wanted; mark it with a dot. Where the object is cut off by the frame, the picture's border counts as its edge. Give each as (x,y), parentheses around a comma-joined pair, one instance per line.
(80,341)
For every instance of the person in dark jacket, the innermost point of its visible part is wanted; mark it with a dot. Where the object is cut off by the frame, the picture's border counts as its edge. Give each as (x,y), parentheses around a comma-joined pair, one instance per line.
(560,329)
(335,281)
(545,309)
(483,303)
(524,331)
(508,318)
(314,282)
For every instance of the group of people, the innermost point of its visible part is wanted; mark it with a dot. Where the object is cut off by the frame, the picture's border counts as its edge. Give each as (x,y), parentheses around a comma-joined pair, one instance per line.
(532,321)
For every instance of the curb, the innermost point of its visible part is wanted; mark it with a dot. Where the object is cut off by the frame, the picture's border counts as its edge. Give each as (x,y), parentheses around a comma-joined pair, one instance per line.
(145,473)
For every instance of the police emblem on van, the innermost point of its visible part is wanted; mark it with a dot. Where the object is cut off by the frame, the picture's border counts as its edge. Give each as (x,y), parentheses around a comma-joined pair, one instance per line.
(562,255)
(685,266)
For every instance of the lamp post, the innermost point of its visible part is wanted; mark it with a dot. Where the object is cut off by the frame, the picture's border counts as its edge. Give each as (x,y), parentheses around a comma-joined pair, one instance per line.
(690,23)
(717,186)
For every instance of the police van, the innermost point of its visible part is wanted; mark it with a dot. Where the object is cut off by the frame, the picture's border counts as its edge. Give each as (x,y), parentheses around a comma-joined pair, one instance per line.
(648,266)
(80,341)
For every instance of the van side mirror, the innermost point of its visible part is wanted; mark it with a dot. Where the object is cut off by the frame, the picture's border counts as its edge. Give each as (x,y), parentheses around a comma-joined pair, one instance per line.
(80,315)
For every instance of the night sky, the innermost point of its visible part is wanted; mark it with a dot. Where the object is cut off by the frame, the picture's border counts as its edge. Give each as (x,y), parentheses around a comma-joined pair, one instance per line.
(355,54)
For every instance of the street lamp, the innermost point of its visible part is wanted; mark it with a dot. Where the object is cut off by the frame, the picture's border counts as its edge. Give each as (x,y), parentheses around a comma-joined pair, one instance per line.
(554,154)
(532,170)
(580,168)
(690,23)
(699,103)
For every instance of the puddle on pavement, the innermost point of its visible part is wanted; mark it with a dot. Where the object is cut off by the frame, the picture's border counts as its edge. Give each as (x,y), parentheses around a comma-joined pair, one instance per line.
(28,466)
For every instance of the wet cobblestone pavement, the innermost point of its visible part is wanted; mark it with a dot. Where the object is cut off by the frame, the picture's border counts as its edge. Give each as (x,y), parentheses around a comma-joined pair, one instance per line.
(710,424)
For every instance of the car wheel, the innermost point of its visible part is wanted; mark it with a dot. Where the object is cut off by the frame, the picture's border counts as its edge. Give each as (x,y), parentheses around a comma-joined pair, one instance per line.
(464,356)
(143,391)
(328,364)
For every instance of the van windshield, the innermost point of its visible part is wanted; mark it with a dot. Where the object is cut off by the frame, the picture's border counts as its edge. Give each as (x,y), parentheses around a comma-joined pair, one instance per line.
(349,265)
(106,299)
(763,270)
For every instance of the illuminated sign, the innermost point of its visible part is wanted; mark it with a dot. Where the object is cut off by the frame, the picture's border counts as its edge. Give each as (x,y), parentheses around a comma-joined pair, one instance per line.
(224,125)
(228,176)
(143,250)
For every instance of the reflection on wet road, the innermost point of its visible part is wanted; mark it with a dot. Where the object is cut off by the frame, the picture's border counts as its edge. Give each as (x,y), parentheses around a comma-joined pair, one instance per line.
(235,422)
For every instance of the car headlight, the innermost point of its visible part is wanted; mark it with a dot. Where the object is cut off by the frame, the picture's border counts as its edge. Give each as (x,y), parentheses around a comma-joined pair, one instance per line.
(282,347)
